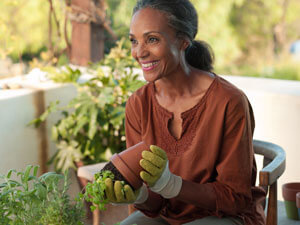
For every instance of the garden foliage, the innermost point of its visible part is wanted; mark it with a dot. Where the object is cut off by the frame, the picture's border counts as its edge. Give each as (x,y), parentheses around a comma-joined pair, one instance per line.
(91,127)
(31,200)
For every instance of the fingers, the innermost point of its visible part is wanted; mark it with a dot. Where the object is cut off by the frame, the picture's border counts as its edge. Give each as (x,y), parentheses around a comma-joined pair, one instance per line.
(109,190)
(154,158)
(158,151)
(119,191)
(150,168)
(150,180)
(129,194)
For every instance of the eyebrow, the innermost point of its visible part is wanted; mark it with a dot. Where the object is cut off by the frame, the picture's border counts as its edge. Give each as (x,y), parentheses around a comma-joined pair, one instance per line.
(149,32)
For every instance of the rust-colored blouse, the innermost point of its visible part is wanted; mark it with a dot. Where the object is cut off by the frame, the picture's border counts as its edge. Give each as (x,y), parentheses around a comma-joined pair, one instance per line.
(215,149)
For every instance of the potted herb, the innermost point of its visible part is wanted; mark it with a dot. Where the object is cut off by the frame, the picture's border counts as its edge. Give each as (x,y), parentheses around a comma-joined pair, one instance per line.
(28,199)
(95,191)
(123,167)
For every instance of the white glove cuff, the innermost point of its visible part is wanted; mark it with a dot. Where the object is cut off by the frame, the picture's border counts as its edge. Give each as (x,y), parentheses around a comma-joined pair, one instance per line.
(173,187)
(163,180)
(143,195)
(168,185)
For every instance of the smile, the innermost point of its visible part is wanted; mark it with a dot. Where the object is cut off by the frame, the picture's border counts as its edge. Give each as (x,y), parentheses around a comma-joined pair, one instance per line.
(149,66)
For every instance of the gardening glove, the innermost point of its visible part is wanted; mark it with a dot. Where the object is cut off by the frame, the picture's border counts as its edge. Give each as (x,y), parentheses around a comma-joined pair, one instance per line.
(118,193)
(157,174)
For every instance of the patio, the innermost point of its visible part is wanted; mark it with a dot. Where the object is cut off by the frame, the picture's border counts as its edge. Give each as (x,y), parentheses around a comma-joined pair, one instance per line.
(272,100)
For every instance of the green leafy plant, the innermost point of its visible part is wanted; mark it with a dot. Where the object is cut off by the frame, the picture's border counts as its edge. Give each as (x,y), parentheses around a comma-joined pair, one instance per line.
(92,125)
(33,200)
(95,191)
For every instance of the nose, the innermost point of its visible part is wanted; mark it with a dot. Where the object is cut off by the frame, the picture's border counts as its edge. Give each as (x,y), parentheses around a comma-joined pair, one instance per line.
(141,51)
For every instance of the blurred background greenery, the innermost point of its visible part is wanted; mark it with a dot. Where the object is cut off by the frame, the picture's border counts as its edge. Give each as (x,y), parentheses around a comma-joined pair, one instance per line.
(249,37)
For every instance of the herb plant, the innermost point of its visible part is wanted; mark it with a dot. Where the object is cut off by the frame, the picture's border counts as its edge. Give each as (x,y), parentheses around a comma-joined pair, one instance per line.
(95,191)
(32,200)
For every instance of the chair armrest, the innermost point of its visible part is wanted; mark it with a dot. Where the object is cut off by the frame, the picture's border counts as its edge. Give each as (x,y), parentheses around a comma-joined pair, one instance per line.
(269,174)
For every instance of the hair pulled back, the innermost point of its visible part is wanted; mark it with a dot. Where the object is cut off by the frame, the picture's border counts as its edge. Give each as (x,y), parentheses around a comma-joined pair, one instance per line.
(182,17)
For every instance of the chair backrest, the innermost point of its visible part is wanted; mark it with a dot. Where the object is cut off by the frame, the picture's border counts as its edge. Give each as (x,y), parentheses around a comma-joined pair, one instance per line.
(273,168)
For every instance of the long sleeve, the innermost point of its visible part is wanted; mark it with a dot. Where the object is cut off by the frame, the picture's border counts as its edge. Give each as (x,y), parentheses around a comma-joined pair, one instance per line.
(235,162)
(132,124)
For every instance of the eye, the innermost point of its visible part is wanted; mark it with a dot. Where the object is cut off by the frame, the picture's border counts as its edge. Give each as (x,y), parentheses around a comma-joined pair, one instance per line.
(133,41)
(153,39)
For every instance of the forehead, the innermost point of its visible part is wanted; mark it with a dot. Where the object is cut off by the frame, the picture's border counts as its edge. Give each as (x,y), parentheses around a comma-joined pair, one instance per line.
(149,19)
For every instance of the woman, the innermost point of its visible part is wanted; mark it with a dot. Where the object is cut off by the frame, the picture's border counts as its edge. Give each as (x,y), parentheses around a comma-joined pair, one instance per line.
(203,171)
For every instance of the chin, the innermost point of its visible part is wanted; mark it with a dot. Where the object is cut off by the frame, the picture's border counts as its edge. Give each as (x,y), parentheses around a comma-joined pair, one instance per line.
(150,77)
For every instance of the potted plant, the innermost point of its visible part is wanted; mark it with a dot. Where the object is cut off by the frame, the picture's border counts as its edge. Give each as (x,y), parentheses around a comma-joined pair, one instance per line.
(92,125)
(28,199)
(289,193)
(123,167)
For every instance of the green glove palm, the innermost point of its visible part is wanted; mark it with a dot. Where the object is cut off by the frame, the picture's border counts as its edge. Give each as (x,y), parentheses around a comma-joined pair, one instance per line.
(154,163)
(116,192)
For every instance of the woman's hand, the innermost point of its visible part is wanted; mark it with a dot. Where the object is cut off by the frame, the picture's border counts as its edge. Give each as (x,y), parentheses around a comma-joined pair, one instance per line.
(118,193)
(157,174)
(154,163)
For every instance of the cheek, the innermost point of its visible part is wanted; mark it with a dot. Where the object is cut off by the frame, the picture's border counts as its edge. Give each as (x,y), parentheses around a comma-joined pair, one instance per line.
(133,53)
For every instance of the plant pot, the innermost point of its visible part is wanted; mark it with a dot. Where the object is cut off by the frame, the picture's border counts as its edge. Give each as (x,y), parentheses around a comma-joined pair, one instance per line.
(128,164)
(289,192)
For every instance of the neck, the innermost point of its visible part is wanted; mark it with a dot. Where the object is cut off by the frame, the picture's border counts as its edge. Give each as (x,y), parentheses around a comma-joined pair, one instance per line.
(183,83)
(178,84)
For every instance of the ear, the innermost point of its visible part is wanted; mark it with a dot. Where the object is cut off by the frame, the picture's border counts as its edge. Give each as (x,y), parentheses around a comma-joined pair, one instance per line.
(185,44)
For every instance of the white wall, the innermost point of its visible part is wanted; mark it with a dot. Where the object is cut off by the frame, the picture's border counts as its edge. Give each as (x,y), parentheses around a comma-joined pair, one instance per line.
(276,105)
(20,145)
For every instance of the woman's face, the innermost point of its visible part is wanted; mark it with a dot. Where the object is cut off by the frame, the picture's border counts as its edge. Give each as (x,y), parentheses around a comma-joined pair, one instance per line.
(154,44)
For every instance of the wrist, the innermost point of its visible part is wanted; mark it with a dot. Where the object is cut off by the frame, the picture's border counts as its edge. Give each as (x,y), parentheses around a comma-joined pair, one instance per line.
(152,205)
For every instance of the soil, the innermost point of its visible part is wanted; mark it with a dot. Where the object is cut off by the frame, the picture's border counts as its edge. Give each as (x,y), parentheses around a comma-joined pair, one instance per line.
(118,176)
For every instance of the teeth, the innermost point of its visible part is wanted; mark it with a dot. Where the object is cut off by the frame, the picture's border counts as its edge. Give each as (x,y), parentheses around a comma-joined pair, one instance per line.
(147,65)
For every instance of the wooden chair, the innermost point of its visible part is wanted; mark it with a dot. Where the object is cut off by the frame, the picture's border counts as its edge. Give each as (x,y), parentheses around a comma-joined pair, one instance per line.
(273,168)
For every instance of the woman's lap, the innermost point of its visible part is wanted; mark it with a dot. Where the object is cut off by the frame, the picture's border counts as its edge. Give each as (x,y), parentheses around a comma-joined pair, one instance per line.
(211,220)
(139,218)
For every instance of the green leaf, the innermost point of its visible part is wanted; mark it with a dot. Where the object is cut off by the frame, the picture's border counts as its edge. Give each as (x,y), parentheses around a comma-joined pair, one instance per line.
(9,173)
(48,175)
(50,109)
(67,155)
(35,170)
(41,191)
(26,173)
(80,123)
(62,128)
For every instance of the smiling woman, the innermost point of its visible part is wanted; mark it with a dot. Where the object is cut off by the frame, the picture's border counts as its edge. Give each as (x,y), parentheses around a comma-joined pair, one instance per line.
(159,43)
(200,168)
